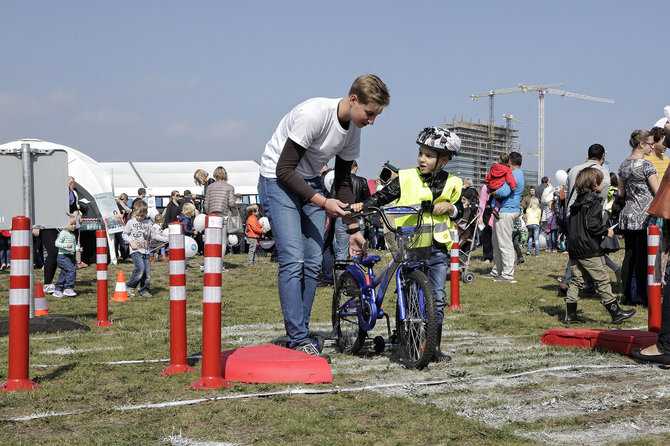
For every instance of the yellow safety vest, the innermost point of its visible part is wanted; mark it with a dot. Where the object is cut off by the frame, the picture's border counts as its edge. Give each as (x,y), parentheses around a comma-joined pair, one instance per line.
(413,190)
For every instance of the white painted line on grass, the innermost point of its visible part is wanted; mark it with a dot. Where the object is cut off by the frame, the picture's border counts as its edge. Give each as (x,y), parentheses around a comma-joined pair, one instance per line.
(71,351)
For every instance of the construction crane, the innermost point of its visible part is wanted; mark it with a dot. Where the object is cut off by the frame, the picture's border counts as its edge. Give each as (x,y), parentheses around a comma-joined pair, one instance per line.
(508,130)
(519,89)
(540,116)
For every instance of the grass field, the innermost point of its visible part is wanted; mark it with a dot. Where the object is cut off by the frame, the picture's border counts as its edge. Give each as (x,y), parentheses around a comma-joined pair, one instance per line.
(502,387)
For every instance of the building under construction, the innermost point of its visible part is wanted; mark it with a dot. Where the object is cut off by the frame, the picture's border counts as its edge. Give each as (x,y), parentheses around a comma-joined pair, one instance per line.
(482,146)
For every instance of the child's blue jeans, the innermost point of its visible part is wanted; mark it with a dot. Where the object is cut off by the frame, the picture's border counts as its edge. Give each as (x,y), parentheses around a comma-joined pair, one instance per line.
(68,271)
(141,272)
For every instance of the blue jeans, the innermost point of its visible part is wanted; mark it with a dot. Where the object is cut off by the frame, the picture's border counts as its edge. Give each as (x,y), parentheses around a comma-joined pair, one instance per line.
(68,271)
(298,230)
(552,240)
(437,274)
(533,236)
(141,272)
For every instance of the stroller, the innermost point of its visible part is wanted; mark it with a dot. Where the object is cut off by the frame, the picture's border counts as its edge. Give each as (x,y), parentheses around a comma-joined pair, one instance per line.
(467,230)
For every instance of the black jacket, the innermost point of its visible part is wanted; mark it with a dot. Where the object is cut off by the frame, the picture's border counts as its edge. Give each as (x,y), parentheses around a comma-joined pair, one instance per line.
(586,228)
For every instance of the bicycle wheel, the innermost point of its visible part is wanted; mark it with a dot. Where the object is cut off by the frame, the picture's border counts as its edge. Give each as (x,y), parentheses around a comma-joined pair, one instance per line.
(346,304)
(417,333)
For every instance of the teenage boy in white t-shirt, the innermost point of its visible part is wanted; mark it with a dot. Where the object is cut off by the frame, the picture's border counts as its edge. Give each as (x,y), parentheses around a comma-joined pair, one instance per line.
(292,193)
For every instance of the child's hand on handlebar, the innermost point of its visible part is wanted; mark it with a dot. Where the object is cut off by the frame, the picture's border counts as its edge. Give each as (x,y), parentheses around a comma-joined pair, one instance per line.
(443,208)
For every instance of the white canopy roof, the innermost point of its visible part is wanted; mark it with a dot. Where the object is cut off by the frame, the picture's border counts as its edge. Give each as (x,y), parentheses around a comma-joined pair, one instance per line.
(87,172)
(161,178)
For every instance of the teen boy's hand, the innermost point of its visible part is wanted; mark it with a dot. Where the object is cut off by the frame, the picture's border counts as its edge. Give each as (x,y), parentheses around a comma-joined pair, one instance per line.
(610,233)
(357,244)
(334,208)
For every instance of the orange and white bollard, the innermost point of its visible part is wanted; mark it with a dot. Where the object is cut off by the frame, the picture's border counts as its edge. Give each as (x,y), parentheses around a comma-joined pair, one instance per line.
(101,276)
(210,372)
(653,287)
(177,302)
(19,307)
(455,274)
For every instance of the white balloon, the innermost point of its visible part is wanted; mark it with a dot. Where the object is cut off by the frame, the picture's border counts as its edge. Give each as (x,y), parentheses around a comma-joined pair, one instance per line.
(199,222)
(265,223)
(151,213)
(328,180)
(190,247)
(233,240)
(561,177)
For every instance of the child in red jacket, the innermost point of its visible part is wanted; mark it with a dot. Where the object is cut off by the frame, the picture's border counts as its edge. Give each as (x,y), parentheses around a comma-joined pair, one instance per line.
(499,174)
(254,232)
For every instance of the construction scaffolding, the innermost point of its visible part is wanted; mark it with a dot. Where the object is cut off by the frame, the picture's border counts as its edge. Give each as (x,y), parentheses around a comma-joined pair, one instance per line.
(482,149)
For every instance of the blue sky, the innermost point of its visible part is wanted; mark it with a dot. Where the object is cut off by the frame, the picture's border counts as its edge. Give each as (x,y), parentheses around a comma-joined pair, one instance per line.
(210,80)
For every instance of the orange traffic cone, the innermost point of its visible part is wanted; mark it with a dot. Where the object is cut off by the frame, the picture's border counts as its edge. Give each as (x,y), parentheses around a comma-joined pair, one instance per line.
(41,308)
(120,292)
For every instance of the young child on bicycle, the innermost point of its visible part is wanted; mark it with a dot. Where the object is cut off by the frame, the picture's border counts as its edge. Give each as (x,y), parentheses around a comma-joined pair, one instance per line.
(429,182)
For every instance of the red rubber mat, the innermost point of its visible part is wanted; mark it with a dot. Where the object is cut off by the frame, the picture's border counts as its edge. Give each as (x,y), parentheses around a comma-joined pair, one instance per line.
(273,364)
(618,341)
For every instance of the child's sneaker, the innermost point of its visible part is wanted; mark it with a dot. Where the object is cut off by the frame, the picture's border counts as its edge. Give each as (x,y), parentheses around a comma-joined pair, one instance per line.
(310,349)
(58,293)
(145,294)
(49,289)
(69,292)
(130,291)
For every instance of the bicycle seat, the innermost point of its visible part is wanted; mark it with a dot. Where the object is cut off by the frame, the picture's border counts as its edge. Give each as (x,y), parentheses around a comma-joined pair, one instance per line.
(368,261)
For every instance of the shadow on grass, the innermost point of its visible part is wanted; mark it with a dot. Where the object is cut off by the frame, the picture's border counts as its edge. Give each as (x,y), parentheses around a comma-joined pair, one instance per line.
(56,373)
(558,311)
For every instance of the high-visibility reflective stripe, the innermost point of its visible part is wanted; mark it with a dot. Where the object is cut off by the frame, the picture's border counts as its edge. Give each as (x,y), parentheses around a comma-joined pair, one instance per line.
(211,294)
(19,296)
(177,266)
(212,264)
(101,274)
(454,266)
(100,242)
(177,293)
(19,267)
(101,259)
(20,238)
(176,229)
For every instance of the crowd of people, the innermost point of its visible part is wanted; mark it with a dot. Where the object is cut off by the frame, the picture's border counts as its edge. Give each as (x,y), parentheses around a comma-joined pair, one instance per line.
(312,215)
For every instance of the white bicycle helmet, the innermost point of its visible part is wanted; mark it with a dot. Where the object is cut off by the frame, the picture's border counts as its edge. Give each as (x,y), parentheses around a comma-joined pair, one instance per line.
(444,141)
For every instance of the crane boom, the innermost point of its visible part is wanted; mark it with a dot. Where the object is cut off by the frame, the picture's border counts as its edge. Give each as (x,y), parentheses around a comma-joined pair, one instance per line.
(579,96)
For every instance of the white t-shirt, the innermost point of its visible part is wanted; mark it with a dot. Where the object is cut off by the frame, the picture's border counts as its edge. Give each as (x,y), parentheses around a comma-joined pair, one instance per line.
(313,124)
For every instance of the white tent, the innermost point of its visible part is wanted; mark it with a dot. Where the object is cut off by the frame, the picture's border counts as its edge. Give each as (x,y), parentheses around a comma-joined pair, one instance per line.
(88,173)
(160,178)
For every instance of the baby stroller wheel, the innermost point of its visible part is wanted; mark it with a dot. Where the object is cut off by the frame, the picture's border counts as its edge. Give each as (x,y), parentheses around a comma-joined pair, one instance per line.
(468,277)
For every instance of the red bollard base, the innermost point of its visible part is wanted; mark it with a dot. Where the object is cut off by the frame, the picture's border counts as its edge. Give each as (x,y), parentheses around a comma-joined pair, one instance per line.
(177,368)
(19,384)
(102,324)
(454,307)
(210,382)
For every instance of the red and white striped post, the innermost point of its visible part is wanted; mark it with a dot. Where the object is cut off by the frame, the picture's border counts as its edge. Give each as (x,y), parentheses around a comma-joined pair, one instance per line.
(455,274)
(210,372)
(177,302)
(101,276)
(19,307)
(653,287)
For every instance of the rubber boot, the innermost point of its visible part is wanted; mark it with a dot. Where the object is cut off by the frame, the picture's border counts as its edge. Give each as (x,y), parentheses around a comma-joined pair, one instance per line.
(438,355)
(618,314)
(571,314)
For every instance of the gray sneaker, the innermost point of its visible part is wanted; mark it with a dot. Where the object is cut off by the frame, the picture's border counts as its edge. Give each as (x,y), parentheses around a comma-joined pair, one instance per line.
(488,276)
(130,291)
(145,294)
(49,289)
(504,279)
(310,349)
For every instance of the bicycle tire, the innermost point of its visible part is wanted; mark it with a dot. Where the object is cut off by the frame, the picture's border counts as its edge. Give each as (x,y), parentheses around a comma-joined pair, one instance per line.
(417,335)
(349,336)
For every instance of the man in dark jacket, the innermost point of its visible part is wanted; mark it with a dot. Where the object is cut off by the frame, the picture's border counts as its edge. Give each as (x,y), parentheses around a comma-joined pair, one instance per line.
(585,232)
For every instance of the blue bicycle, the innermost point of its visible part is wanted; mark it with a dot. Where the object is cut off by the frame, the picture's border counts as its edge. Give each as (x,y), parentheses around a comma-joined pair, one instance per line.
(359,296)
